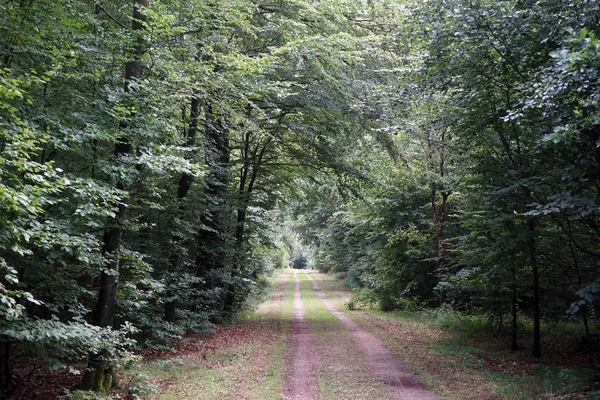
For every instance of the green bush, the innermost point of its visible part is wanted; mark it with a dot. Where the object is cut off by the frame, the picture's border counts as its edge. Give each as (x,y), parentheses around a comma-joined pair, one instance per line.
(448,318)
(139,387)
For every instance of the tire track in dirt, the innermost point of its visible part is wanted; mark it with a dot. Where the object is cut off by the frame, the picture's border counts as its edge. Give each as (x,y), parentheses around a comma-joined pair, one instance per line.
(300,379)
(386,366)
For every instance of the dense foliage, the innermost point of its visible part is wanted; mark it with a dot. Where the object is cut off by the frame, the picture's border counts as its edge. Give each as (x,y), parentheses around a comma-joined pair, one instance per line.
(488,201)
(141,144)
(153,152)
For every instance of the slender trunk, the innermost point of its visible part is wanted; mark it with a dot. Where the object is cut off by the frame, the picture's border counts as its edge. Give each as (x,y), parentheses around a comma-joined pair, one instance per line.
(442,213)
(5,370)
(248,176)
(439,209)
(99,375)
(580,282)
(584,307)
(537,351)
(246,191)
(514,309)
(107,294)
(585,320)
(240,225)
(170,309)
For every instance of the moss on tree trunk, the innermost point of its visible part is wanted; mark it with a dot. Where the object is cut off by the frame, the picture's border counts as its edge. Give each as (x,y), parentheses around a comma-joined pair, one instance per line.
(100,376)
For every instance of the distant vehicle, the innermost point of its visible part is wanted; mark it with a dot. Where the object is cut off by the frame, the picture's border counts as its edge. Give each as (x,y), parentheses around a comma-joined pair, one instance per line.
(300,262)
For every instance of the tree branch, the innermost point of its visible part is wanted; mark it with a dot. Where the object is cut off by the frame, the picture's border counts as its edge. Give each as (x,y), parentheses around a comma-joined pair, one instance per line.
(101,7)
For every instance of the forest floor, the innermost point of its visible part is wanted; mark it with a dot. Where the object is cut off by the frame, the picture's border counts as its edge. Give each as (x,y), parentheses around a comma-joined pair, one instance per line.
(296,345)
(302,342)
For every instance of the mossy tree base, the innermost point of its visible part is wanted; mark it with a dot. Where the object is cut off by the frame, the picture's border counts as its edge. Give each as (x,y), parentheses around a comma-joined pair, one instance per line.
(99,376)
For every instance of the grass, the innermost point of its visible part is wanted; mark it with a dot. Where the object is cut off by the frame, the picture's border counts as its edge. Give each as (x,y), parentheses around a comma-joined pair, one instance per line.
(477,345)
(272,383)
(215,376)
(244,360)
(396,342)
(457,353)
(542,380)
(460,356)
(342,370)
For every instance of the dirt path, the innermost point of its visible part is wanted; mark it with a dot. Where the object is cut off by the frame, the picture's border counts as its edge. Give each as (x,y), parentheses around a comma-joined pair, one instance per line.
(300,381)
(386,366)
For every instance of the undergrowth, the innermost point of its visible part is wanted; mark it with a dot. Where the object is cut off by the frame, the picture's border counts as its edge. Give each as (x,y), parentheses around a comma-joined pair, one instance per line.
(480,343)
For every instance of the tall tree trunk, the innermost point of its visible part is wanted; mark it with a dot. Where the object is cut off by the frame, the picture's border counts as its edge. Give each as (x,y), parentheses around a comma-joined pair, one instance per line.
(580,282)
(183,187)
(252,166)
(215,232)
(215,224)
(249,173)
(240,225)
(6,387)
(514,308)
(439,208)
(99,375)
(537,350)
(440,216)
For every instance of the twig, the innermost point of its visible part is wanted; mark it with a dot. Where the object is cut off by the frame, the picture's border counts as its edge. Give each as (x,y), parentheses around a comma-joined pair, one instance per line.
(101,7)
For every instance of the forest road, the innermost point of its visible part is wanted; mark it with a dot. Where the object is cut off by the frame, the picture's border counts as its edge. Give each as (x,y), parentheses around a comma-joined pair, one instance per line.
(300,382)
(386,367)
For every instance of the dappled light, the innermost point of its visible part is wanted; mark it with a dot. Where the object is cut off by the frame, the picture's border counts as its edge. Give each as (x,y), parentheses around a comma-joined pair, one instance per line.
(299,199)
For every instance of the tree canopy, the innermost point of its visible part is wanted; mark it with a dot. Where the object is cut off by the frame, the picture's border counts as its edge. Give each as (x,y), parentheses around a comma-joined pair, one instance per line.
(159,158)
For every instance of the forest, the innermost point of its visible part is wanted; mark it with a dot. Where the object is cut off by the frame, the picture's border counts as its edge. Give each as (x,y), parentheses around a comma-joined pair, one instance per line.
(161,158)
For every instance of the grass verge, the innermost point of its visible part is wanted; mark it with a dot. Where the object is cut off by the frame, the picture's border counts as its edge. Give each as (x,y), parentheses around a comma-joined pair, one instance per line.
(241,361)
(467,359)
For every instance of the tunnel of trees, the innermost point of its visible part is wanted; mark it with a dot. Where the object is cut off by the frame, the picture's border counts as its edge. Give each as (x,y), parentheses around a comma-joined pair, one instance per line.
(158,155)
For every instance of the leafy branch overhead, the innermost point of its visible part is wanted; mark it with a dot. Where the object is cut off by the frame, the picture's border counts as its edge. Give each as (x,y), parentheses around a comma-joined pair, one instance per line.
(160,158)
